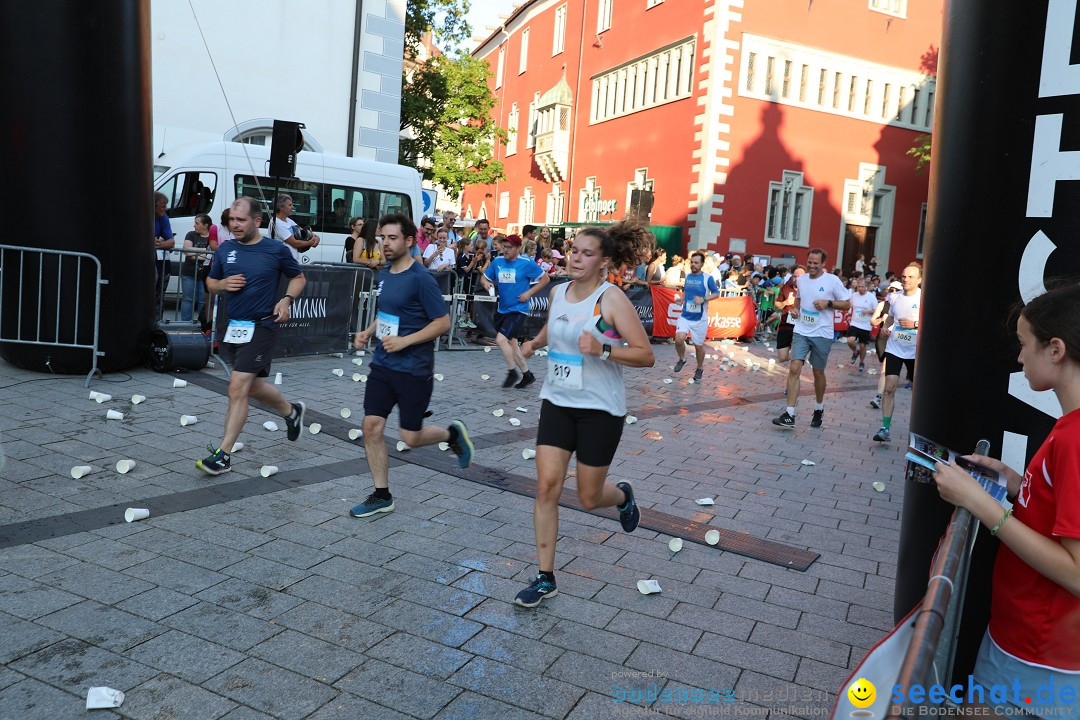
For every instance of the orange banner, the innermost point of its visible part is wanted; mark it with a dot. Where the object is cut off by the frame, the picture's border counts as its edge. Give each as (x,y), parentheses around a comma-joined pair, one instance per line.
(734,317)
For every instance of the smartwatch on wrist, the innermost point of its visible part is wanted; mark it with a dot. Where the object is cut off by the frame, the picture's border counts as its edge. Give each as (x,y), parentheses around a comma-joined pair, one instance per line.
(830,304)
(291,299)
(607,352)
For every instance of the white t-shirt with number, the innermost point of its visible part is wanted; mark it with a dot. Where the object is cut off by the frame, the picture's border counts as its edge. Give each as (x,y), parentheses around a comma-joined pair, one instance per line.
(862,309)
(904,307)
(813,322)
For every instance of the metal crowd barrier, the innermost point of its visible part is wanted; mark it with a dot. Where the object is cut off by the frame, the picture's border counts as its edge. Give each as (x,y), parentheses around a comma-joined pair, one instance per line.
(931,653)
(173,294)
(52,324)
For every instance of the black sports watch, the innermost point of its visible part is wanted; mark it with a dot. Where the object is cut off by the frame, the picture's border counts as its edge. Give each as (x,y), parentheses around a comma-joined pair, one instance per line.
(291,299)
(607,352)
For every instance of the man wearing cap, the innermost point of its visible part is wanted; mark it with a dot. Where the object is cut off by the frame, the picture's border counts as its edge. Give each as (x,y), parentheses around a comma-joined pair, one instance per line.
(513,274)
(819,293)
(903,336)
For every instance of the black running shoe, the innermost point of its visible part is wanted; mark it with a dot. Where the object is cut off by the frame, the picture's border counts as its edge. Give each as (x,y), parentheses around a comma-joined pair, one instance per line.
(816,420)
(679,365)
(512,378)
(294,424)
(697,374)
(538,589)
(629,514)
(784,421)
(218,462)
(526,380)
(460,443)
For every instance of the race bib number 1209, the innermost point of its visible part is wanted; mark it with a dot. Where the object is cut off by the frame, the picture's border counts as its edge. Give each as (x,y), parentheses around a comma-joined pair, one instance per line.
(239,332)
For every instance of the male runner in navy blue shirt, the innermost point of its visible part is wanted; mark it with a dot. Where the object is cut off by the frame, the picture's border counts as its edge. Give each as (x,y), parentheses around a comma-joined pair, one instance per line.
(246,269)
(411,314)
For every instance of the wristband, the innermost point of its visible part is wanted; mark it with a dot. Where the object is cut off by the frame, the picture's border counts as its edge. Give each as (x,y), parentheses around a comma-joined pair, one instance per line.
(291,299)
(994,530)
(607,352)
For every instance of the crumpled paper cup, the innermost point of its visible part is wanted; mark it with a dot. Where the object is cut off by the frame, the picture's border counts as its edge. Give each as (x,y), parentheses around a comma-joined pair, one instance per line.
(444,446)
(98,698)
(515,422)
(237,447)
(712,537)
(648,587)
(270,425)
(705,501)
(497,413)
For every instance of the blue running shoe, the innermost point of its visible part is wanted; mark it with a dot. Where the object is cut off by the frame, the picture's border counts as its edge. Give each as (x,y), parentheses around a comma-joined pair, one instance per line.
(460,443)
(372,505)
(538,589)
(629,515)
(216,463)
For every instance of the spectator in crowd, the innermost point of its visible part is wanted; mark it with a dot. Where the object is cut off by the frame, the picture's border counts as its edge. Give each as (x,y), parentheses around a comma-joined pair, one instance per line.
(547,261)
(285,229)
(528,235)
(339,215)
(438,257)
(164,241)
(194,268)
(426,237)
(448,219)
(860,264)
(482,231)
(365,249)
(543,239)
(655,271)
(356,227)
(528,250)
(674,276)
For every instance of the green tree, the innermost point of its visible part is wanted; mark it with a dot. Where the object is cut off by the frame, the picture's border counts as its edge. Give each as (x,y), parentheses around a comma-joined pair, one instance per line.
(921,151)
(446,107)
(446,19)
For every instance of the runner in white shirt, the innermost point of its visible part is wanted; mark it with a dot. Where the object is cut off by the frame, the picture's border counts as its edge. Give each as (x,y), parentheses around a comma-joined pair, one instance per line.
(903,336)
(819,293)
(858,335)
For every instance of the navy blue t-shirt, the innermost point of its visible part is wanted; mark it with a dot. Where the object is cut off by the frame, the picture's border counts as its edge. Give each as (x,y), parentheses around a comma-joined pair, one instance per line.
(408,302)
(260,263)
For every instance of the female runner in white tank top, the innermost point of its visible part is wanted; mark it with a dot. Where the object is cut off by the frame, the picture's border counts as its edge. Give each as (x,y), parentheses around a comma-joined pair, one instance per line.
(592,330)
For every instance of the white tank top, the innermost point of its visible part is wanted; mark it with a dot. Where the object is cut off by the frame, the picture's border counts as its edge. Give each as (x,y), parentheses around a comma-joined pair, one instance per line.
(575,380)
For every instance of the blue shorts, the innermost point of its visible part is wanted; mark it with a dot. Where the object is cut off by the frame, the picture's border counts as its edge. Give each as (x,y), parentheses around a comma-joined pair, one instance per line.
(993,666)
(387,388)
(509,324)
(816,347)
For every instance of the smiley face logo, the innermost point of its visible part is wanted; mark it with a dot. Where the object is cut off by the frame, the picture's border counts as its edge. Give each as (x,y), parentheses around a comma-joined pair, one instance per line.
(862,693)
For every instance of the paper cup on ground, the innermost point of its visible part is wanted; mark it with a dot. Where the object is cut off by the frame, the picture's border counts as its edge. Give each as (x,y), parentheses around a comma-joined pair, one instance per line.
(809,463)
(630,419)
(133,514)
(270,425)
(705,501)
(528,454)
(124,466)
(401,446)
(80,471)
(237,447)
(338,371)
(357,361)
(356,377)
(363,378)
(314,428)
(114,415)
(439,377)
(879,486)
(521,409)
(361,353)
(346,413)
(99,698)
(355,433)
(712,537)
(177,382)
(93,395)
(277,379)
(136,399)
(337,355)
(497,413)
(648,587)
(667,381)
(485,377)
(444,446)
(268,470)
(515,422)
(487,349)
(103,397)
(186,420)
(675,544)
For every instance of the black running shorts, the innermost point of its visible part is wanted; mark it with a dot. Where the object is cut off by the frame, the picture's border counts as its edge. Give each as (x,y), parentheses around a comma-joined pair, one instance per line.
(254,356)
(893,365)
(593,434)
(783,336)
(509,324)
(387,388)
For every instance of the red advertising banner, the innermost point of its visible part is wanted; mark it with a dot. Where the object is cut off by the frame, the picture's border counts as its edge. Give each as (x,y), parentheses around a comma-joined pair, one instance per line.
(841,320)
(733,317)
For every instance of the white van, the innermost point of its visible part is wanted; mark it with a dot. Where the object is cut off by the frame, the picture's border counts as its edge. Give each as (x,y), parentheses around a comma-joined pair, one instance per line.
(208,178)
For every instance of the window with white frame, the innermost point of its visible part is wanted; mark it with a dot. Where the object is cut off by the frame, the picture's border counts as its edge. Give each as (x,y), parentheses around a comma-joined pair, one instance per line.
(603,15)
(846,86)
(525,207)
(512,131)
(524,60)
(922,232)
(531,130)
(558,43)
(501,66)
(504,204)
(789,208)
(661,77)
(896,8)
(556,205)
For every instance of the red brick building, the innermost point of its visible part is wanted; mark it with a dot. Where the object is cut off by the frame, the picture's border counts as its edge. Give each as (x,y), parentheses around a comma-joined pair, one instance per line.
(767,126)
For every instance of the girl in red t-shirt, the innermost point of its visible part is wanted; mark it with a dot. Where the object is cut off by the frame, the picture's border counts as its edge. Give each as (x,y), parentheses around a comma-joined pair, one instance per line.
(1034,632)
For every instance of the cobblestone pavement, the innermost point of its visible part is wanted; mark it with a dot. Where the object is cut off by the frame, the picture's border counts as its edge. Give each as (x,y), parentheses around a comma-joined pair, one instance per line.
(243,598)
